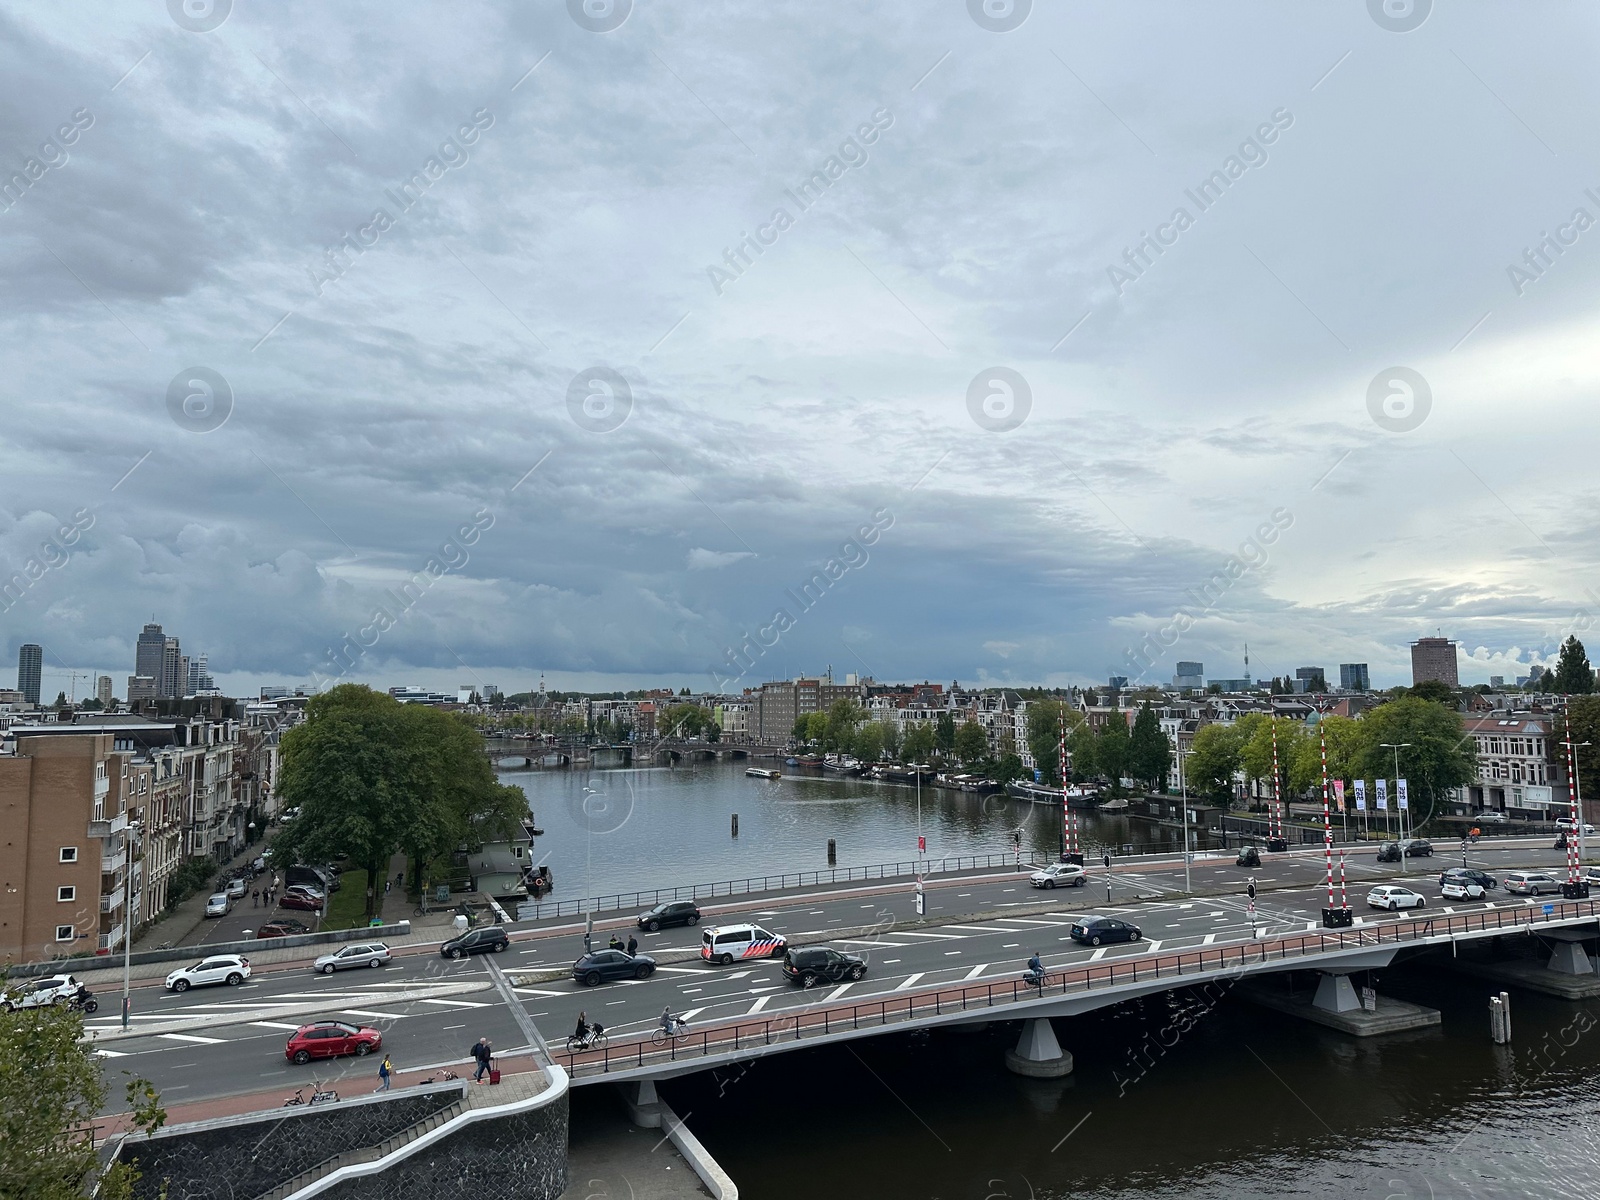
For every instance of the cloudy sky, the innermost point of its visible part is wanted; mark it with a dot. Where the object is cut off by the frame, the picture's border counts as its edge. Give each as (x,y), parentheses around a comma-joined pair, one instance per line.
(301,299)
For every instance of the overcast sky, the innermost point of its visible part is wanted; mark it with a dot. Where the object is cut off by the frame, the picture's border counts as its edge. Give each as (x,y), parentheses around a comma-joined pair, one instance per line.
(984,331)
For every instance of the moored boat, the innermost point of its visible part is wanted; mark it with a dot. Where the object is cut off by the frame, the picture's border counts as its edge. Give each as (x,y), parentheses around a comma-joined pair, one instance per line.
(763,773)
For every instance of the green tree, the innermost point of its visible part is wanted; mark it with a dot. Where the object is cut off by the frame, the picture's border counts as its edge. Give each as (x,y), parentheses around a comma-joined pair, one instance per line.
(816,727)
(918,745)
(867,742)
(372,776)
(843,716)
(1044,736)
(1010,765)
(1439,757)
(1582,724)
(1256,754)
(1080,746)
(1215,756)
(971,743)
(1347,744)
(1574,675)
(683,721)
(1111,751)
(891,738)
(51,1089)
(1149,750)
(1434,690)
(944,733)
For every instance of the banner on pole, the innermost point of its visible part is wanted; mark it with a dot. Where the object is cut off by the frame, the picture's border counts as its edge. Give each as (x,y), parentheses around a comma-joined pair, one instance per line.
(1338,793)
(1383,794)
(1400,792)
(1361,795)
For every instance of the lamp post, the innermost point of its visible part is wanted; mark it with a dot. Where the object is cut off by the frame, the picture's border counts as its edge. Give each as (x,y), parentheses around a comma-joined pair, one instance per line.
(1183,798)
(1397,747)
(127,920)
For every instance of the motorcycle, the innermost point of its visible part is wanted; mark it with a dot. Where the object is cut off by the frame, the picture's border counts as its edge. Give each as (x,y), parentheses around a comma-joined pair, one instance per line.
(83,1000)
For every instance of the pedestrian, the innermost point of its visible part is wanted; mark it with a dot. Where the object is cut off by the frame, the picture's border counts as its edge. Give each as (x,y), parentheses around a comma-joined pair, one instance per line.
(633,945)
(615,943)
(255,897)
(385,1071)
(387,884)
(483,1051)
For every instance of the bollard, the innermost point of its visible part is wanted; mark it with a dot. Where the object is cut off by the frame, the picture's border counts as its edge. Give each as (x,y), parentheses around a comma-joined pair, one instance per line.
(833,853)
(735,824)
(1505,1015)
(1500,1019)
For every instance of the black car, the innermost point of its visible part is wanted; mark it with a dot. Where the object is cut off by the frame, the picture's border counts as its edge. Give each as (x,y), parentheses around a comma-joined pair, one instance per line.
(1414,848)
(1468,875)
(1092,931)
(674,912)
(603,966)
(811,965)
(1249,856)
(476,941)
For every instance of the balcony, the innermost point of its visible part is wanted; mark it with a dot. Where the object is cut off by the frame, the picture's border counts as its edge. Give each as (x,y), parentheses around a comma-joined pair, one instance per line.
(110,941)
(109,828)
(110,903)
(102,786)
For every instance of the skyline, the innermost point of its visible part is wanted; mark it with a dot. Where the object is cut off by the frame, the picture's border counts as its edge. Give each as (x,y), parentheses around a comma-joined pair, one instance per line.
(1079,312)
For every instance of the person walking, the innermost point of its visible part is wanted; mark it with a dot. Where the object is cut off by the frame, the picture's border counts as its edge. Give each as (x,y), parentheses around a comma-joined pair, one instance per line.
(255,897)
(385,1073)
(483,1052)
(633,945)
(615,943)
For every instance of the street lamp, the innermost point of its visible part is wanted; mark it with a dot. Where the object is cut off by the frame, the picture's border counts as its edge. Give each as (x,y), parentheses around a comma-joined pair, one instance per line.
(1183,798)
(1397,747)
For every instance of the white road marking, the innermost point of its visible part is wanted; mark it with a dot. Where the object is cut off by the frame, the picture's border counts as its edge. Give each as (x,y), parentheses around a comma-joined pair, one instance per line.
(839,991)
(361,1012)
(527,991)
(910,981)
(691,1013)
(757,1006)
(113,1053)
(976,971)
(274,1025)
(682,970)
(1153,947)
(191,1037)
(1099,954)
(458,1003)
(1209,938)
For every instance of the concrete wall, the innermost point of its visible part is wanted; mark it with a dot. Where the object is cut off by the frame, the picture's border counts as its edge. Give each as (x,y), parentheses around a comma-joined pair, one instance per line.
(231,1158)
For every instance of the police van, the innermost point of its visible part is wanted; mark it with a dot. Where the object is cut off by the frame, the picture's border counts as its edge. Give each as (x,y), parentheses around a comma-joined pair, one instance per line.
(723,944)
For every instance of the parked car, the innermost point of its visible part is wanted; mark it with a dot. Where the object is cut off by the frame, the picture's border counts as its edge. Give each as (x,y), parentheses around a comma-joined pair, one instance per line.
(1413,847)
(1092,931)
(330,1039)
(1482,878)
(604,966)
(1059,874)
(36,993)
(1461,889)
(1491,816)
(1531,883)
(218,905)
(230,969)
(674,912)
(236,887)
(320,878)
(485,940)
(1394,898)
(811,965)
(363,954)
(301,901)
(1567,824)
(282,927)
(305,889)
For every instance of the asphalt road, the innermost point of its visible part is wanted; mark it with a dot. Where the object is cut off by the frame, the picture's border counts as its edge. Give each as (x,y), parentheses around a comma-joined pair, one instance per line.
(225,1057)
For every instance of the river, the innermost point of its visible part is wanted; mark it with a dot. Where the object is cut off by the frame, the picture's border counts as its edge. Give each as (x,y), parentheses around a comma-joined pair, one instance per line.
(623,830)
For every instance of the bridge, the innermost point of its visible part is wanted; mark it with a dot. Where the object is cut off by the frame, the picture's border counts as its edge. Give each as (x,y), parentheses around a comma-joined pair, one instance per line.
(665,751)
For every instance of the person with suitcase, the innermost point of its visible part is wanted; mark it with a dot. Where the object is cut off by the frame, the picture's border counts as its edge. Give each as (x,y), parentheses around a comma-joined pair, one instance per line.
(483,1051)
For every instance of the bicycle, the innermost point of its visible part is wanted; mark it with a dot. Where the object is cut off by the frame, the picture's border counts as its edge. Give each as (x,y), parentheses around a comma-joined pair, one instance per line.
(441,1077)
(680,1033)
(596,1040)
(319,1095)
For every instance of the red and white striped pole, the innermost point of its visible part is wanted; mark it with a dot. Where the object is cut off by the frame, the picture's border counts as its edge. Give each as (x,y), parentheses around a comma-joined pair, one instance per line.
(1275,825)
(1344,895)
(1577,819)
(1068,838)
(1327,818)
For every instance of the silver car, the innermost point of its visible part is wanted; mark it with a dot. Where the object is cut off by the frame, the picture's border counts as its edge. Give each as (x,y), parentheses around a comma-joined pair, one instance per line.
(364,954)
(218,904)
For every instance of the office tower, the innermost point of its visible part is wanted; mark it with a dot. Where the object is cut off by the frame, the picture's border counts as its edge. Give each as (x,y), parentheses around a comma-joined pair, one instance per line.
(1434,658)
(102,691)
(1354,677)
(1190,677)
(30,671)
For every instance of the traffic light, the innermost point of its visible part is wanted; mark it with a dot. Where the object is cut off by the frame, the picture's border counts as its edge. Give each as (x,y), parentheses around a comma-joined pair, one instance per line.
(1106,858)
(1250,890)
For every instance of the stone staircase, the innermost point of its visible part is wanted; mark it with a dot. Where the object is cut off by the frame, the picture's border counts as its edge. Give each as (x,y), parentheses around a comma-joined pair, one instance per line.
(365,1154)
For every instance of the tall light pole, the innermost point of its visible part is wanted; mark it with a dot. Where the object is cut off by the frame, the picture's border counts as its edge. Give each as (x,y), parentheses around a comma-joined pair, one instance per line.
(1183,798)
(1397,747)
(127,918)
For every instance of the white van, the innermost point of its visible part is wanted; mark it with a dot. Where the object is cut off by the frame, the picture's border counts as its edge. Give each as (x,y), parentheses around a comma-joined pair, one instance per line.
(725,943)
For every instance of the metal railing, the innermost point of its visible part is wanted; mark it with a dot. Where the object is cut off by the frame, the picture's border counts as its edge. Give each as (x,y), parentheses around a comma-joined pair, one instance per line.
(769,883)
(937,1002)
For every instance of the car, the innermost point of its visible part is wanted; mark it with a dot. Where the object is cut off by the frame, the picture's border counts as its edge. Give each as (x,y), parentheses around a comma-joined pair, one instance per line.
(305,889)
(230,969)
(282,927)
(1531,883)
(811,965)
(37,993)
(363,954)
(1461,889)
(1059,874)
(489,939)
(603,966)
(1482,878)
(218,904)
(236,887)
(1567,824)
(330,1039)
(722,944)
(1092,931)
(260,864)
(1249,856)
(301,901)
(1490,816)
(1412,848)
(674,912)
(1394,898)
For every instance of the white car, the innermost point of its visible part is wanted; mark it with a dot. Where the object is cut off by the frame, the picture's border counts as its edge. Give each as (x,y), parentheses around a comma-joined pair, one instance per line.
(1491,817)
(1461,889)
(366,954)
(36,993)
(1530,883)
(236,888)
(218,904)
(1059,874)
(1567,824)
(219,968)
(1394,898)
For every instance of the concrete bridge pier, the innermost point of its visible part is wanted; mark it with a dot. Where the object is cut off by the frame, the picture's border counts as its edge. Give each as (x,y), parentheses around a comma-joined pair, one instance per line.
(642,1102)
(1038,1055)
(1569,956)
(1336,1005)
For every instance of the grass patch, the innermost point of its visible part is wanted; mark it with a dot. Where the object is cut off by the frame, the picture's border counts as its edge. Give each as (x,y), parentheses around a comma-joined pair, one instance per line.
(347,908)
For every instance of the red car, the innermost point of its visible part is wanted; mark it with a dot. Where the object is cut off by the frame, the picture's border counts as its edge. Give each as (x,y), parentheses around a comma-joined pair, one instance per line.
(330,1039)
(299,900)
(283,927)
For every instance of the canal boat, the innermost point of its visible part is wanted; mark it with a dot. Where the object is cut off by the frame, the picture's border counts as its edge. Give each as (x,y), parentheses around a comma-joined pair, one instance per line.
(841,764)
(762,773)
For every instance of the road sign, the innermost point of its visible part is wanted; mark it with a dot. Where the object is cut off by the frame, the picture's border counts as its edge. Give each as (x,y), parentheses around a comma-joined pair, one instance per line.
(1548,909)
(922,844)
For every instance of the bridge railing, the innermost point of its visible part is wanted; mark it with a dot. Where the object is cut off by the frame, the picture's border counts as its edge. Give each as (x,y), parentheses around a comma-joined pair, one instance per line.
(771,883)
(821,1021)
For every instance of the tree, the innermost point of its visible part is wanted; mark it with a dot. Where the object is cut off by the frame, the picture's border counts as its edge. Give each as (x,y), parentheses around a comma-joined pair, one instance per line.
(372,777)
(1434,690)
(1215,757)
(816,726)
(867,742)
(51,1089)
(1111,751)
(944,733)
(1582,724)
(971,743)
(61,701)
(1439,757)
(891,738)
(1256,754)
(1044,736)
(683,720)
(842,718)
(1010,766)
(1080,748)
(1346,741)
(1149,750)
(1574,675)
(917,747)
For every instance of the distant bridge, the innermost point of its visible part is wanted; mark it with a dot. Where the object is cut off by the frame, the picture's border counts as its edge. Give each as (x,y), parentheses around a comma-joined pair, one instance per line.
(664,751)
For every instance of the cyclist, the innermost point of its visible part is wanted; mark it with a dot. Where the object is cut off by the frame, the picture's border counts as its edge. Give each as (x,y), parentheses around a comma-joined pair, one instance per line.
(1035,973)
(669,1023)
(583,1031)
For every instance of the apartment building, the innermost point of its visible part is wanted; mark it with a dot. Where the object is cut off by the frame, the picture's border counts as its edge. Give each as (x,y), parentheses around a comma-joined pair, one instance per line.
(1516,775)
(1434,658)
(779,705)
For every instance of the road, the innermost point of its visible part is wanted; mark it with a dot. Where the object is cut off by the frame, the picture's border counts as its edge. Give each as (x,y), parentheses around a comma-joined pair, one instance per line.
(429,1020)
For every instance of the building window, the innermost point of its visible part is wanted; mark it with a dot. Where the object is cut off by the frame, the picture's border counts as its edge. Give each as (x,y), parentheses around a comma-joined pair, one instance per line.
(64,933)
(66,893)
(69,854)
